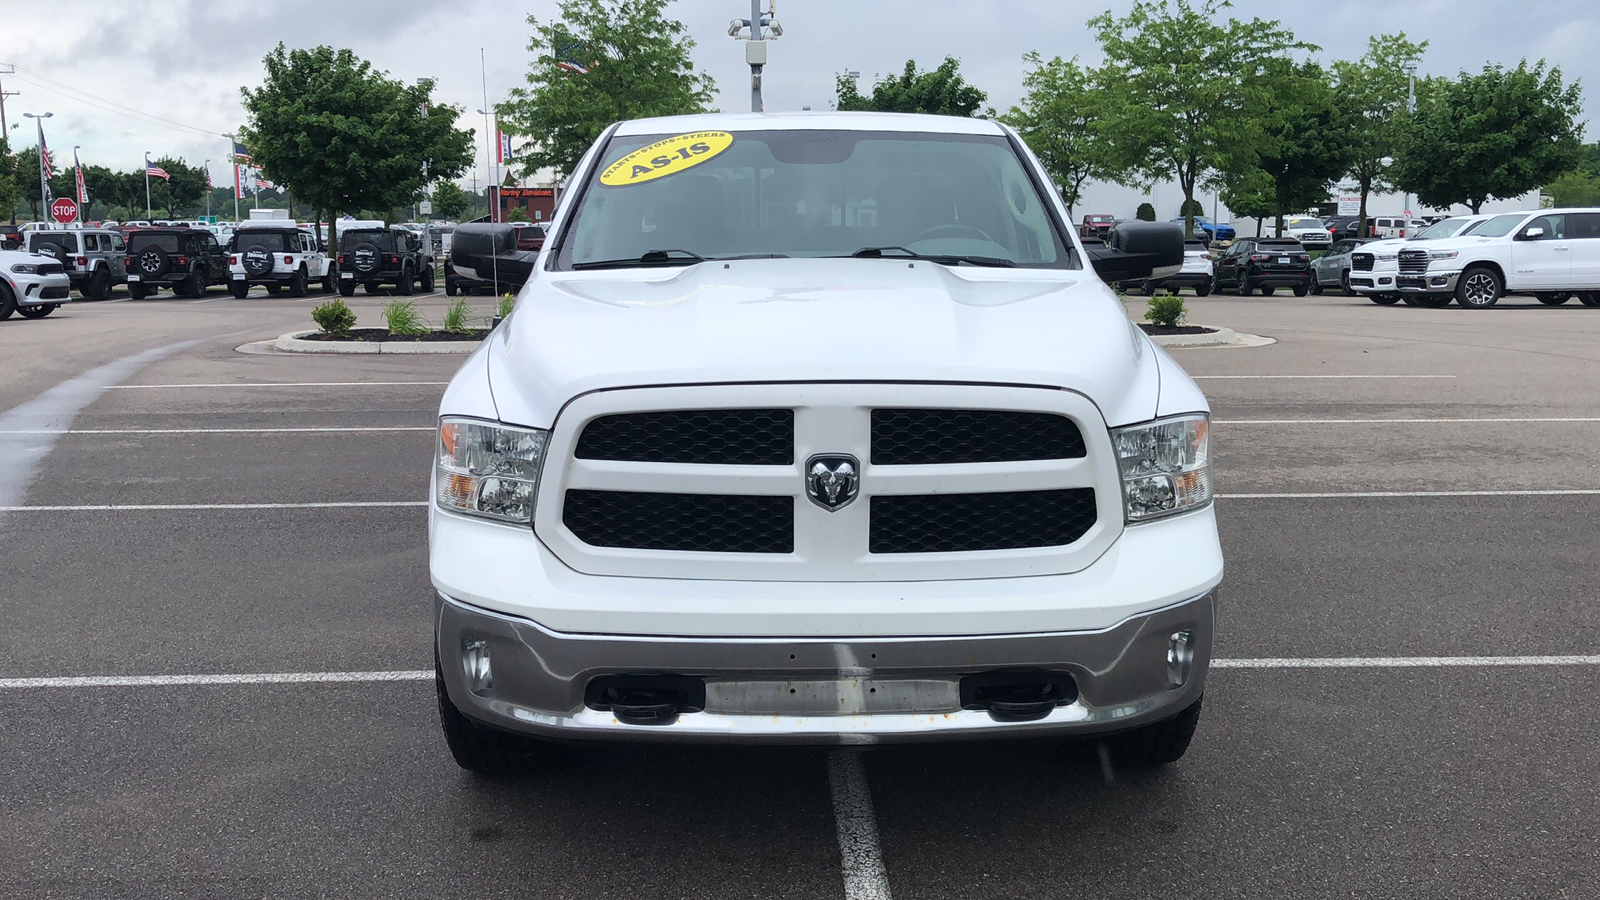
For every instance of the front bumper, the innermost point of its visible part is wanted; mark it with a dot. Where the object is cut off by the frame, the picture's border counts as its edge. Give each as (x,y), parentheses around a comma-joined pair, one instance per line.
(821,690)
(1427,282)
(40,290)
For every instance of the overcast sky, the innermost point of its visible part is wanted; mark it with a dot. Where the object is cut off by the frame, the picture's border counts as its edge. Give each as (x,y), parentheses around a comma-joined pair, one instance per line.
(126,76)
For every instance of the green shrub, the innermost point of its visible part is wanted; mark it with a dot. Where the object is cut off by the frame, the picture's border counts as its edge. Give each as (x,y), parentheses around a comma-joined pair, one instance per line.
(507,303)
(1146,213)
(1194,207)
(1166,311)
(334,317)
(404,319)
(455,318)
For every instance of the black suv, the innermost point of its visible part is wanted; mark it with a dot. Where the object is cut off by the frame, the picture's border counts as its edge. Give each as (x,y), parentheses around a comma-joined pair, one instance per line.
(188,260)
(375,256)
(1264,264)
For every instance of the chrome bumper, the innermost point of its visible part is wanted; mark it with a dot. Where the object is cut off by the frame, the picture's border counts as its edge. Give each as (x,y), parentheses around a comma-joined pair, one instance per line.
(780,690)
(1432,282)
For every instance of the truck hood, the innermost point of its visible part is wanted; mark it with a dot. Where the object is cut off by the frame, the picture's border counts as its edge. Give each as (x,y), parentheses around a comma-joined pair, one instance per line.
(817,320)
(1450,243)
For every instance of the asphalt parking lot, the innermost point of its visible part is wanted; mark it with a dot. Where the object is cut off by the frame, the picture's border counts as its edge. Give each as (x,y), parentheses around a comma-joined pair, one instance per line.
(1408,640)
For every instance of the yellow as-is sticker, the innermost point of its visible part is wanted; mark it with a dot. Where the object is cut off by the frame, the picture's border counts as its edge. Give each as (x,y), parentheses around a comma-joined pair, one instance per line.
(666,157)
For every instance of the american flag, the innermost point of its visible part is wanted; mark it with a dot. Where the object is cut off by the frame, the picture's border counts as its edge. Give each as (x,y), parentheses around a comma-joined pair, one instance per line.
(240,153)
(567,57)
(154,171)
(263,182)
(47,159)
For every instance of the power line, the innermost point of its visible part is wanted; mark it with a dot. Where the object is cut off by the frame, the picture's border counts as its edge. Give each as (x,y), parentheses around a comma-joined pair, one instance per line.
(78,95)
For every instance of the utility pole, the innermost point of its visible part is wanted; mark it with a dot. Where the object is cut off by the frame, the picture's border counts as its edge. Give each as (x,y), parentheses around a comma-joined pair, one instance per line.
(6,69)
(755,48)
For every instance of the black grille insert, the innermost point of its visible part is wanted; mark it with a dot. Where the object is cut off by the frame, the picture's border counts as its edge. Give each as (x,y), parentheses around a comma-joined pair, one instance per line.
(729,437)
(947,523)
(908,437)
(705,523)
(1361,262)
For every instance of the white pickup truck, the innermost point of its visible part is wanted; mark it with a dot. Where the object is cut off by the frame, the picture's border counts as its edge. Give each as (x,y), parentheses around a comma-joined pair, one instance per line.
(1374,265)
(1552,254)
(822,428)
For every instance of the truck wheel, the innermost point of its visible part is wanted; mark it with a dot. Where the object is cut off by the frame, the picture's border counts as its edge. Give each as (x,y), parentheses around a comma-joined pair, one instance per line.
(1300,290)
(1479,288)
(498,754)
(1243,286)
(347,288)
(1202,290)
(1344,285)
(99,286)
(239,289)
(138,291)
(450,287)
(403,286)
(328,281)
(36,312)
(272,288)
(427,280)
(1158,743)
(1553,299)
(297,283)
(1384,299)
(8,302)
(1590,299)
(1268,291)
(1316,287)
(1148,288)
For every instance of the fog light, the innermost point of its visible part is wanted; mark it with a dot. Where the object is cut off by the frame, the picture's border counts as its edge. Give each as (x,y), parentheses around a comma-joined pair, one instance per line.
(475,657)
(1180,657)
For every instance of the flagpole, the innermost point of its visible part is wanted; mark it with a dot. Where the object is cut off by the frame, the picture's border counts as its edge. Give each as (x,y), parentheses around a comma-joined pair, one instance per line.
(209,189)
(44,182)
(148,216)
(77,182)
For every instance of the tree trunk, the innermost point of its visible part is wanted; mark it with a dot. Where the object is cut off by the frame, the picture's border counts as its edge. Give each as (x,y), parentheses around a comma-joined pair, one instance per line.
(1361,223)
(1474,205)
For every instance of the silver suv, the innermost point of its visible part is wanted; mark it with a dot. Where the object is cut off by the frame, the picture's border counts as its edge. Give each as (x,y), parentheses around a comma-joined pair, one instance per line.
(92,257)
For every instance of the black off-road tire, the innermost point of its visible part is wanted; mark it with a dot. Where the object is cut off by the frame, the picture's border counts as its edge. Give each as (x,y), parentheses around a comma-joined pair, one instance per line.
(8,301)
(139,291)
(1384,299)
(347,288)
(1202,290)
(1553,299)
(404,285)
(428,280)
(1316,286)
(1243,285)
(1300,290)
(330,281)
(1344,284)
(273,288)
(297,283)
(450,287)
(98,286)
(239,289)
(1478,288)
(486,751)
(193,287)
(1158,743)
(37,312)
(372,287)
(1590,299)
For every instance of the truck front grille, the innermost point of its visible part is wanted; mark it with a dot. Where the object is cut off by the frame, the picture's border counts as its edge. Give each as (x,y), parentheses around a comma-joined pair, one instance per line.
(905,437)
(1413,262)
(705,523)
(949,523)
(726,437)
(1361,262)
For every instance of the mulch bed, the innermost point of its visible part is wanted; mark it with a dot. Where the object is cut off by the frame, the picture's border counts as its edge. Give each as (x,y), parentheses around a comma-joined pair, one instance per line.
(1175,329)
(382,335)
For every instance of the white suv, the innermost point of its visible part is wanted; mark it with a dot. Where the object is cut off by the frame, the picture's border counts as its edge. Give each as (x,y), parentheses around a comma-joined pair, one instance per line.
(1551,253)
(278,255)
(1373,266)
(1313,234)
(778,446)
(31,284)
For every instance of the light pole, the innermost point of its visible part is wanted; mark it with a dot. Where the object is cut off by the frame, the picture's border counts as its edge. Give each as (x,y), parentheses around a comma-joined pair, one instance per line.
(79,192)
(209,188)
(1411,110)
(44,182)
(755,48)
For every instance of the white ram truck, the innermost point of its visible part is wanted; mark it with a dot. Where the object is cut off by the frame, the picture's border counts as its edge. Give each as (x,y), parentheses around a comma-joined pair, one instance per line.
(1373,266)
(1553,254)
(822,428)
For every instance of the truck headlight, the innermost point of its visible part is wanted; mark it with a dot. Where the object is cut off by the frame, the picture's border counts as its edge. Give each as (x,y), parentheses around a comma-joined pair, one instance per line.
(1444,254)
(488,470)
(1165,466)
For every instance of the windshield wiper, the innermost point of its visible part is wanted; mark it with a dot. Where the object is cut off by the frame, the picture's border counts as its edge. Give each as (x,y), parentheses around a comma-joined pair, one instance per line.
(648,258)
(947,259)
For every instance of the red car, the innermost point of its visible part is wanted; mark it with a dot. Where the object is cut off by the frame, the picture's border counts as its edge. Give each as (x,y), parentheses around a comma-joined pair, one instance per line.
(1096,226)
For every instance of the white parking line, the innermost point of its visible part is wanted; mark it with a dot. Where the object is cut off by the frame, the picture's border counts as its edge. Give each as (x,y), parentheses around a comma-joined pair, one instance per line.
(1244,377)
(1390,421)
(859,851)
(1342,495)
(280,384)
(351,430)
(847,758)
(135,507)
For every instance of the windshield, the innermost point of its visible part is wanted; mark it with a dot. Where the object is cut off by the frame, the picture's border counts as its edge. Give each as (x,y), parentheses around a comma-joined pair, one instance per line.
(1474,227)
(812,194)
(1306,223)
(1500,226)
(272,241)
(66,242)
(383,239)
(1441,229)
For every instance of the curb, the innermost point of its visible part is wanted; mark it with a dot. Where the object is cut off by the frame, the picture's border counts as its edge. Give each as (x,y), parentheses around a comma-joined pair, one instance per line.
(292,343)
(1222,337)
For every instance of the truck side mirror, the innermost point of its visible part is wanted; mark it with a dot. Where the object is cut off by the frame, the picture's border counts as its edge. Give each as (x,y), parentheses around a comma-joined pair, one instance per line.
(1531,234)
(1137,250)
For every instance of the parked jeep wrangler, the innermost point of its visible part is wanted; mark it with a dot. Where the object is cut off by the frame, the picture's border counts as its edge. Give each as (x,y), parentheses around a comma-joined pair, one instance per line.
(92,257)
(187,260)
(378,256)
(277,255)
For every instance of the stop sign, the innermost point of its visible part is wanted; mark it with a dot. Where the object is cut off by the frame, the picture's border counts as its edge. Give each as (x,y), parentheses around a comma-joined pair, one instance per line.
(64,210)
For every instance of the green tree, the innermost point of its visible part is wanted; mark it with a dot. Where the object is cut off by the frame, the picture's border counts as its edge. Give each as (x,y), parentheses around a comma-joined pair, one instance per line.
(343,136)
(637,63)
(1578,187)
(1056,118)
(9,193)
(1371,94)
(1145,213)
(181,191)
(1304,148)
(1249,193)
(941,92)
(1494,135)
(451,202)
(1180,88)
